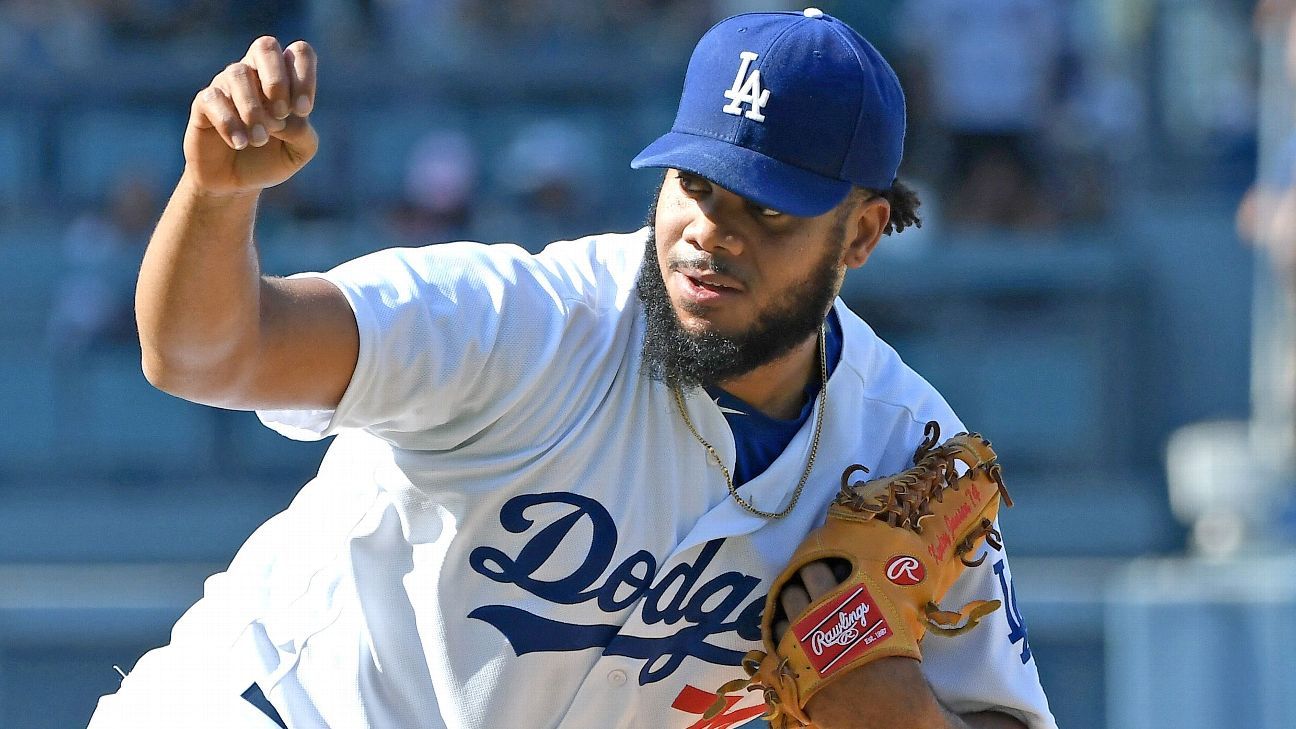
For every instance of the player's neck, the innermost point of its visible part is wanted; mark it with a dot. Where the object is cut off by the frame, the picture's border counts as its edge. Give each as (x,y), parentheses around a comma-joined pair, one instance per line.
(777,388)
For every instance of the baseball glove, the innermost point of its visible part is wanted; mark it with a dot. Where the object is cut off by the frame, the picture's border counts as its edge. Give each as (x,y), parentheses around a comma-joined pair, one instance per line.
(890,550)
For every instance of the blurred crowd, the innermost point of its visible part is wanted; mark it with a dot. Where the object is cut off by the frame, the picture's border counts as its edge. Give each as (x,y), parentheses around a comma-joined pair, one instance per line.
(1266,218)
(1267,213)
(75,34)
(1019,127)
(1026,116)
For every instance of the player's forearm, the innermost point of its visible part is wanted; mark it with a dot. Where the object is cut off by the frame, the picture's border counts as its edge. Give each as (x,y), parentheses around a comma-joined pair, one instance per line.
(198,295)
(892,693)
(915,717)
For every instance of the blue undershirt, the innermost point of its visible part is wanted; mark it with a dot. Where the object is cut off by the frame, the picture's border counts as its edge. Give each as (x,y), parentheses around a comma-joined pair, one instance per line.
(758,438)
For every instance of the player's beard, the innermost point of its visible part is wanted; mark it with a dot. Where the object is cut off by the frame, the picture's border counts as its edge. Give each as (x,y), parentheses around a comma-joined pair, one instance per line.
(679,357)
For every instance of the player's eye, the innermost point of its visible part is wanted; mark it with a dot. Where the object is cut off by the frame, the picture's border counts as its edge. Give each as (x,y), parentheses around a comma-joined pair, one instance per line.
(692,183)
(764,212)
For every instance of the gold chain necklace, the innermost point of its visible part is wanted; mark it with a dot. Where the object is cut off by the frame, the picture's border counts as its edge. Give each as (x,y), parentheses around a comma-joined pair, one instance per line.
(814,444)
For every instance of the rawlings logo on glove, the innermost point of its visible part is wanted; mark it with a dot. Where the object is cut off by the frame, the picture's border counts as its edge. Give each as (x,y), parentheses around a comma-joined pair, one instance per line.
(842,626)
(867,584)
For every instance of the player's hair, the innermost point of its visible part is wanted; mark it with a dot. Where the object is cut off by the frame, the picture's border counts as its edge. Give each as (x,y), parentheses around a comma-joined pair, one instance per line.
(904,206)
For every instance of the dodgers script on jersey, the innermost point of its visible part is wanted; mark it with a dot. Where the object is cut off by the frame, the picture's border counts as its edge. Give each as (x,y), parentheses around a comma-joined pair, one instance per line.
(513,527)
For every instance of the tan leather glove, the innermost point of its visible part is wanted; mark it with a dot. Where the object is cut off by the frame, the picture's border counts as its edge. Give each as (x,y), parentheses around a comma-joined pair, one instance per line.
(890,550)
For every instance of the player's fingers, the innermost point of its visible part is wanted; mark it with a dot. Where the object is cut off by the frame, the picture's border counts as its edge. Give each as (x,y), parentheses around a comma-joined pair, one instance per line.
(818,578)
(780,627)
(213,109)
(267,58)
(299,136)
(794,599)
(302,69)
(239,81)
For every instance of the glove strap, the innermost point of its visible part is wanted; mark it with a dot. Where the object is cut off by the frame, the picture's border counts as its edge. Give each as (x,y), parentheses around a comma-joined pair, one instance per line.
(944,622)
(771,675)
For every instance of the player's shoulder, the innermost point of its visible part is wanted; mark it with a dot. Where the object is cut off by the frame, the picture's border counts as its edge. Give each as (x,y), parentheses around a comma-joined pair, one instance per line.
(594,257)
(596,268)
(580,269)
(897,398)
(880,370)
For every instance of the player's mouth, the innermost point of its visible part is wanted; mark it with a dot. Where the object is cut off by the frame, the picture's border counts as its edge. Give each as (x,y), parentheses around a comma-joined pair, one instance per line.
(706,287)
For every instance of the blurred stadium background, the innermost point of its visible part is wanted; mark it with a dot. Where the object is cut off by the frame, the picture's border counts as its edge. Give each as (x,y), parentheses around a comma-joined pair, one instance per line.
(1079,292)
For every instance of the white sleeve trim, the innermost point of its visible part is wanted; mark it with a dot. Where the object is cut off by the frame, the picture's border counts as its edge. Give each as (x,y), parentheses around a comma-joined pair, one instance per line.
(312,425)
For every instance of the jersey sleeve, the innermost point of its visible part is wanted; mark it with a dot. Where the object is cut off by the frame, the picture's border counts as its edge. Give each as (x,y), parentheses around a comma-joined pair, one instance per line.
(451,336)
(989,668)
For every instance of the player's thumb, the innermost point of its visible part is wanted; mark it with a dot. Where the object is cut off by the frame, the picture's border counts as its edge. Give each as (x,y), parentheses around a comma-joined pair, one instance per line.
(299,138)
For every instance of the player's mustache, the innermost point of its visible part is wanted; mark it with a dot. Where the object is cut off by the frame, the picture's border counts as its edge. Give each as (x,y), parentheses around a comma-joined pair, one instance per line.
(702,263)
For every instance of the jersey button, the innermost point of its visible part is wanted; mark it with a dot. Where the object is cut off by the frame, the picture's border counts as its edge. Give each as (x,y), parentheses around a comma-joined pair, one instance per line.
(616,677)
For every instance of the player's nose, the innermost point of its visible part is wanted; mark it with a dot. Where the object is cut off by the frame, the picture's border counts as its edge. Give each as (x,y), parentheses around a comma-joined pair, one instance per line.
(713,228)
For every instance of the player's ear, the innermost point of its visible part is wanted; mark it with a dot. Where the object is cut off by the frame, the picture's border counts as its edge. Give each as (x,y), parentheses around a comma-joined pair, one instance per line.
(867,219)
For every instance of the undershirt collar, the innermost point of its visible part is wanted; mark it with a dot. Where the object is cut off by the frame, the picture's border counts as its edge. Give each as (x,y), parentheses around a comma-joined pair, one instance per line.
(758,438)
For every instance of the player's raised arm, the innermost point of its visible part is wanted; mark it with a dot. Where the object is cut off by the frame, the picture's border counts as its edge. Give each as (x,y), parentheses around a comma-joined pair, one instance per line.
(212,328)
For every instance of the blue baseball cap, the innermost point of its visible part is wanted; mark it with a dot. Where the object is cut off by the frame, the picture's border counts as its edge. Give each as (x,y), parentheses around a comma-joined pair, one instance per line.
(787,109)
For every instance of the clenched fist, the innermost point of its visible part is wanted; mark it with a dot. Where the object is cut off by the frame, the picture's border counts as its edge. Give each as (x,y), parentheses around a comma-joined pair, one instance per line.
(249,129)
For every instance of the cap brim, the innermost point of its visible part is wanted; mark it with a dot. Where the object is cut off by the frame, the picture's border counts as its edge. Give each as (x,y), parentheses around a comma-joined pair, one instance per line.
(761,179)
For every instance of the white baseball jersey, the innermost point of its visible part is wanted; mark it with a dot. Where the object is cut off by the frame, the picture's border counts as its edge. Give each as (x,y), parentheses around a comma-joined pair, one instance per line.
(514,528)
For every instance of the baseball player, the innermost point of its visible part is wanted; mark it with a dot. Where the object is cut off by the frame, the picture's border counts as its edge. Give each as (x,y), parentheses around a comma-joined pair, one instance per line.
(563,484)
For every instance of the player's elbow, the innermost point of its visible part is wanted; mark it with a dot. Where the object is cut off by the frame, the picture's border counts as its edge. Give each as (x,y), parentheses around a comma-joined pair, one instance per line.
(161,373)
(204,381)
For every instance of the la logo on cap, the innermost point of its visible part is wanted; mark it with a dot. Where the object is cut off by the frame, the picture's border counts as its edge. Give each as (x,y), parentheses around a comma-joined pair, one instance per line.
(812,111)
(747,91)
